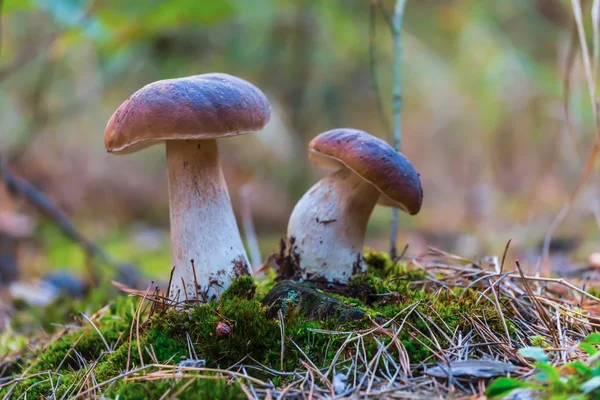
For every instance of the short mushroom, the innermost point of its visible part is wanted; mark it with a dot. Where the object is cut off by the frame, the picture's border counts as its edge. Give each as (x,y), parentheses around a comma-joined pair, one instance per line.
(189,114)
(327,227)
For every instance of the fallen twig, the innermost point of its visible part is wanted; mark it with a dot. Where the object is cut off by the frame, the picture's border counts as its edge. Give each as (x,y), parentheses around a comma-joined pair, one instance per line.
(19,186)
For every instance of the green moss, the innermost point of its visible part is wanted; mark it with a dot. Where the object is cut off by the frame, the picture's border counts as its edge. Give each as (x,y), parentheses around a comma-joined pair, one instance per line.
(445,311)
(370,280)
(255,333)
(199,389)
(350,301)
(378,261)
(166,347)
(394,287)
(89,342)
(65,354)
(539,341)
(265,285)
(251,331)
(242,288)
(11,342)
(399,280)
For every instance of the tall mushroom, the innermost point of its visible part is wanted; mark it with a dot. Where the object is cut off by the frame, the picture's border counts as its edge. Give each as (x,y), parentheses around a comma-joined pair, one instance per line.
(327,228)
(189,114)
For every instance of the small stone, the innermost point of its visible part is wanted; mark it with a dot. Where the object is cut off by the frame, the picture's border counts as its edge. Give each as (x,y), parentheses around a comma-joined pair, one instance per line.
(38,294)
(191,363)
(67,283)
(223,329)
(340,381)
(471,369)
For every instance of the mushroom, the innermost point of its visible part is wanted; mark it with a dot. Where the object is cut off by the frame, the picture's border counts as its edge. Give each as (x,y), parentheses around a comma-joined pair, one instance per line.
(327,227)
(189,114)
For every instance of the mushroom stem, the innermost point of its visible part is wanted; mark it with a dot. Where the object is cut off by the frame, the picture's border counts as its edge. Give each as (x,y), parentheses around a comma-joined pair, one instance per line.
(327,227)
(206,246)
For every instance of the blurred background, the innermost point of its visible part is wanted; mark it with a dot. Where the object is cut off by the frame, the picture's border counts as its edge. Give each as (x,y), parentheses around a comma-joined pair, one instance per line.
(484,120)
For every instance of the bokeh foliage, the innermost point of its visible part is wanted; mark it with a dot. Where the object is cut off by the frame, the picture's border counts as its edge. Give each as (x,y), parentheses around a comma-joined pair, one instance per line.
(483,91)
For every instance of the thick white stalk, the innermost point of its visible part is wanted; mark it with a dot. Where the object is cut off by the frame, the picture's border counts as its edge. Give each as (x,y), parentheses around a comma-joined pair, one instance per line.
(204,233)
(327,227)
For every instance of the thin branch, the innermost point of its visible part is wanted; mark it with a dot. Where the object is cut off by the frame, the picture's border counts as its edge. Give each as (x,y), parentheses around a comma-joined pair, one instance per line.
(588,167)
(567,89)
(46,206)
(397,104)
(373,68)
(1,6)
(386,15)
(586,58)
(596,30)
(248,226)
(397,99)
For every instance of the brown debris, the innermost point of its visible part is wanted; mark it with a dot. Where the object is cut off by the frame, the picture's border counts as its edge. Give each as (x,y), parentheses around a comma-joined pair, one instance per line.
(288,260)
(240,267)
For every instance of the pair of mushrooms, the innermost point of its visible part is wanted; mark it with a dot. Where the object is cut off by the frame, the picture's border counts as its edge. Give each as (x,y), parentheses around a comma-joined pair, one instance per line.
(327,225)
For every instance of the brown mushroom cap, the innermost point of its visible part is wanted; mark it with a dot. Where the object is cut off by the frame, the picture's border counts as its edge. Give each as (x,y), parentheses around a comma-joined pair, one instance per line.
(206,106)
(373,160)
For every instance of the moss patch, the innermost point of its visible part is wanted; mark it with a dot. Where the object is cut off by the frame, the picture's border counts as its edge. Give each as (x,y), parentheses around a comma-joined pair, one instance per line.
(198,389)
(388,290)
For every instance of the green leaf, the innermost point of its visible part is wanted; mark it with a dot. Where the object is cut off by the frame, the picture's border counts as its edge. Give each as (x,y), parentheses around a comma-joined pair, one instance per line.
(580,368)
(536,353)
(550,371)
(592,338)
(15,5)
(590,349)
(503,386)
(591,385)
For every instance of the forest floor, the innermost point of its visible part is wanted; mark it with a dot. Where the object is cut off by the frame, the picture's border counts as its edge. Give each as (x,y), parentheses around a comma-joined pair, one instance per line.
(435,326)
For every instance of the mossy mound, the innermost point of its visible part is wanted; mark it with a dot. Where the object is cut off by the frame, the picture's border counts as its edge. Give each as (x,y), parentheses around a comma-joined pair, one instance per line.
(101,353)
(96,358)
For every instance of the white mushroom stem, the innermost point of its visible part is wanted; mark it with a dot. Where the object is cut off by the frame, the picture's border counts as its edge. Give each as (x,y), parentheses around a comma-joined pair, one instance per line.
(327,227)
(204,232)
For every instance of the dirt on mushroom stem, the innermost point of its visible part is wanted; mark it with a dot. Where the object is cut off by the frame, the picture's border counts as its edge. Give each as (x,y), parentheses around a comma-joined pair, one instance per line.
(288,260)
